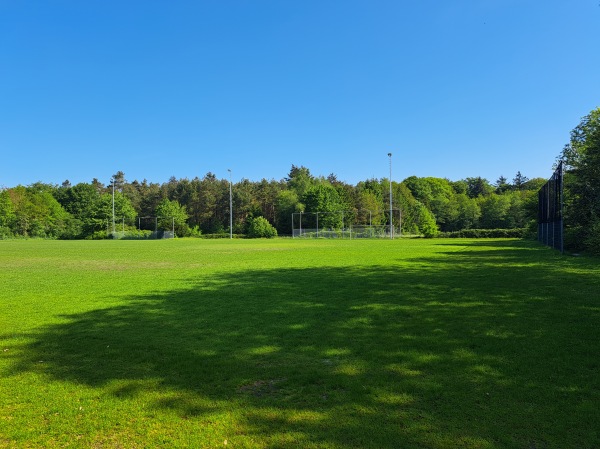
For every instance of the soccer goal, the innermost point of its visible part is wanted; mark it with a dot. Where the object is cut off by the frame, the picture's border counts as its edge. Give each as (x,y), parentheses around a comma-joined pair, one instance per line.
(159,227)
(141,228)
(345,225)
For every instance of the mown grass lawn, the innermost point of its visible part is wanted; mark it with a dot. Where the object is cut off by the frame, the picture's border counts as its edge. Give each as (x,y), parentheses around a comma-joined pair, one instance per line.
(290,343)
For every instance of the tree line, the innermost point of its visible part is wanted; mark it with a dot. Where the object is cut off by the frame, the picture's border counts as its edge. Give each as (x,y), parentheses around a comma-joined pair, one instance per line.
(199,206)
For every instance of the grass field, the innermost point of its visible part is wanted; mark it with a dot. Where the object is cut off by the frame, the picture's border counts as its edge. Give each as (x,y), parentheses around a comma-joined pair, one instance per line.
(289,343)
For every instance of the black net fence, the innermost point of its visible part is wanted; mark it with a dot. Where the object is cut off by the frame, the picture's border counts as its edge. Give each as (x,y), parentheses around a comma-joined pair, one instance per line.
(550,211)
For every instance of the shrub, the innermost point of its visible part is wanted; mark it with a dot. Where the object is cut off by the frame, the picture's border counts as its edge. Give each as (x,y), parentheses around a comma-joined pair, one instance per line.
(592,239)
(429,230)
(574,237)
(261,228)
(194,232)
(97,235)
(135,234)
(5,233)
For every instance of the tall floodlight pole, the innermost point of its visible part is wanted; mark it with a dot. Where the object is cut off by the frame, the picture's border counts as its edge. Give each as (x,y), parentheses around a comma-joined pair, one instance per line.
(391,217)
(113,202)
(230,206)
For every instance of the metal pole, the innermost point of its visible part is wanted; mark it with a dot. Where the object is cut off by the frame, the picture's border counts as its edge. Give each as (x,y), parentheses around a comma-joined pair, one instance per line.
(230,206)
(173,226)
(562,222)
(300,224)
(317,225)
(123,223)
(391,217)
(113,203)
(293,225)
(549,213)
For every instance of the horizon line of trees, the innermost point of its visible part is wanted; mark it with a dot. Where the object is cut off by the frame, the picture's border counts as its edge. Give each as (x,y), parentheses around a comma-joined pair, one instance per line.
(201,205)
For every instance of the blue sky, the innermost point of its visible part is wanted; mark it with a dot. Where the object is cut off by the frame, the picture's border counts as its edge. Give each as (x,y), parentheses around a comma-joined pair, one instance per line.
(158,89)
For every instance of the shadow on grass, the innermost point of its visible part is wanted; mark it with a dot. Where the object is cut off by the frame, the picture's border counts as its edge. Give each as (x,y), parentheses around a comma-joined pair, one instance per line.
(480,350)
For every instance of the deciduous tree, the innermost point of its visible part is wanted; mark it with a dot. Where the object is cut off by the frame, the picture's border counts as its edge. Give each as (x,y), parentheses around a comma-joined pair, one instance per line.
(172,214)
(582,182)
(324,198)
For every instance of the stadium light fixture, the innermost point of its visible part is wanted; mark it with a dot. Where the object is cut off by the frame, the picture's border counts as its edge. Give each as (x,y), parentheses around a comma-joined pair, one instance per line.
(230,206)
(391,217)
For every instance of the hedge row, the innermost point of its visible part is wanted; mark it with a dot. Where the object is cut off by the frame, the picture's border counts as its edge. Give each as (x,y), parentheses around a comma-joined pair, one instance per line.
(484,233)
(221,235)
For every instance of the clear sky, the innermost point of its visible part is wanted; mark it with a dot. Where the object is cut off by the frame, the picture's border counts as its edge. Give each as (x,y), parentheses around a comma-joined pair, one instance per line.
(157,89)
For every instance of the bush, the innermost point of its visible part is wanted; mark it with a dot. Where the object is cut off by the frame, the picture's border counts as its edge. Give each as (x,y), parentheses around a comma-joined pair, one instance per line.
(531,230)
(97,235)
(592,239)
(429,230)
(485,233)
(5,233)
(194,232)
(135,234)
(261,228)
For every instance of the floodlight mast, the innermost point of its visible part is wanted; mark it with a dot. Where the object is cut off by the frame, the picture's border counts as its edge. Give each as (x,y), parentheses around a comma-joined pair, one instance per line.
(230,207)
(391,217)
(113,203)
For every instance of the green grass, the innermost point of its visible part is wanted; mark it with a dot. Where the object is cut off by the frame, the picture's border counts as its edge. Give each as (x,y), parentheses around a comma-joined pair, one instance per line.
(289,343)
